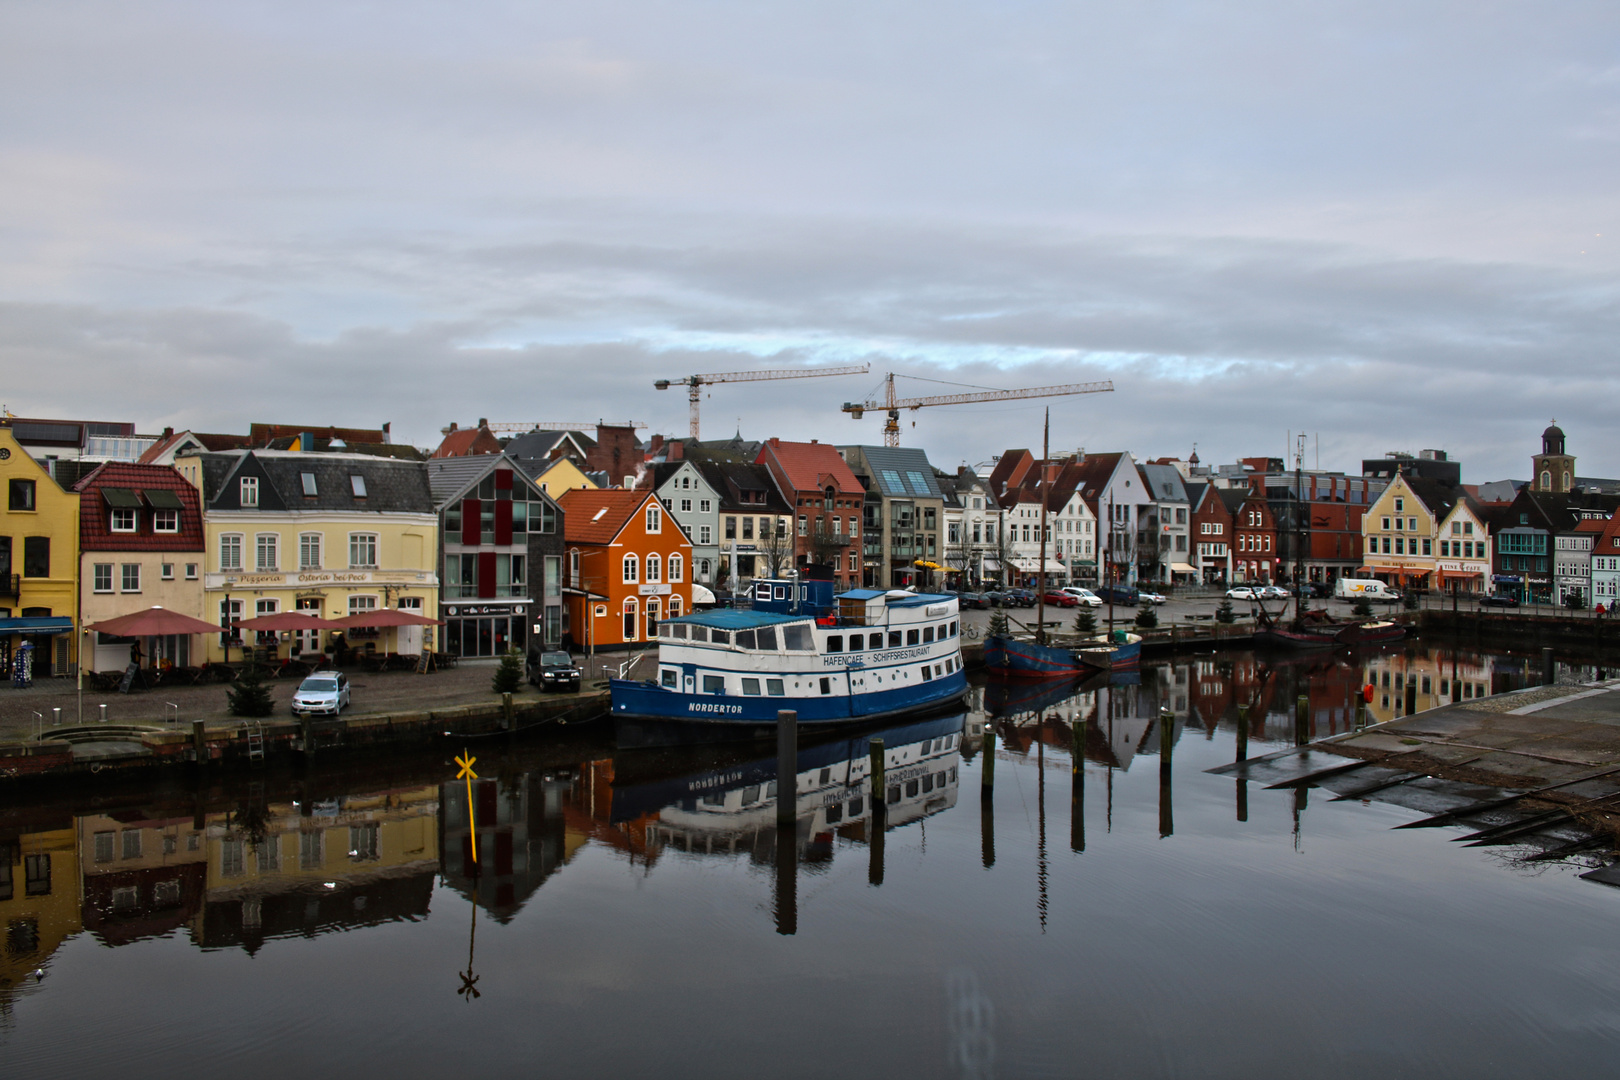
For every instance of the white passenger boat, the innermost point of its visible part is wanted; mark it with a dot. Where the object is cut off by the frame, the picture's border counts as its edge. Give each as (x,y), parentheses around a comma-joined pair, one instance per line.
(858,656)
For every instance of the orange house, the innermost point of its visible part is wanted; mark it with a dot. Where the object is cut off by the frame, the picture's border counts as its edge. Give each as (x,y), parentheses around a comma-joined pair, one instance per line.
(629,565)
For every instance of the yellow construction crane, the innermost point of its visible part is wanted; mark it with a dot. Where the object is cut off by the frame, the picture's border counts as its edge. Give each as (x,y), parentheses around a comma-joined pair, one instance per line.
(563,425)
(891,429)
(694,383)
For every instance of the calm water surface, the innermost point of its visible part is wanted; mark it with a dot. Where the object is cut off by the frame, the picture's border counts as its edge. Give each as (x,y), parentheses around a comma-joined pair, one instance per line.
(636,915)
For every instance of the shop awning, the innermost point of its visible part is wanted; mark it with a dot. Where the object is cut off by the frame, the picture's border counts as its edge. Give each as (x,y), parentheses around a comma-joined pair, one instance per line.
(1182,568)
(163,499)
(123,498)
(37,624)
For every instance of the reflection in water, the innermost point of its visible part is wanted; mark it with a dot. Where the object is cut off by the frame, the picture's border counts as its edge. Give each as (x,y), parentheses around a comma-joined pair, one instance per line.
(970,1026)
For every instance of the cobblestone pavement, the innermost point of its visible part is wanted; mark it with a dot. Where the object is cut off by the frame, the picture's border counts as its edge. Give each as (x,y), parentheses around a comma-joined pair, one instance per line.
(394,691)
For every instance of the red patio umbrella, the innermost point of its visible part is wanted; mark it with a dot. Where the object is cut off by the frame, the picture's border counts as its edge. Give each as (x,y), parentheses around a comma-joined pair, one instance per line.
(288,620)
(385,617)
(153,622)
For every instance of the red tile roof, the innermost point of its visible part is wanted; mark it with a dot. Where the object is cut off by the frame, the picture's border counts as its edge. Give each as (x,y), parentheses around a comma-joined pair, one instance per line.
(466,442)
(810,466)
(95,520)
(263,433)
(595,515)
(1609,542)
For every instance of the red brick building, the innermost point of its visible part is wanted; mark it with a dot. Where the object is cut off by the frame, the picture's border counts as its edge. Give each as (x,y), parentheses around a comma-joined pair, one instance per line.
(1255,555)
(825,497)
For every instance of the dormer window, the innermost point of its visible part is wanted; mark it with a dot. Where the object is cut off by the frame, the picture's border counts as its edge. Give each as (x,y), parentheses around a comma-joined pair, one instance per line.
(308,480)
(249,487)
(123,520)
(357,484)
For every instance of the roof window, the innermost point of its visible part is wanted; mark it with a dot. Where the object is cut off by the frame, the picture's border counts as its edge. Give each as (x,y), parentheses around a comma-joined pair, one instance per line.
(308,480)
(358,484)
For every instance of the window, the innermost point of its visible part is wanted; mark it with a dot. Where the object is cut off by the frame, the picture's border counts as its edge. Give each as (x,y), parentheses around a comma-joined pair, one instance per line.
(1384,524)
(166,571)
(230,551)
(912,637)
(731,528)
(166,521)
(357,484)
(22,495)
(676,568)
(704,506)
(748,528)
(705,534)
(774,687)
(654,568)
(248,487)
(131,577)
(751,687)
(363,550)
(308,481)
(714,684)
(37,556)
(362,605)
(1427,546)
(655,519)
(309,551)
(669,679)
(804,525)
(191,571)
(1400,504)
(264,551)
(123,519)
(686,506)
(103,577)
(1411,524)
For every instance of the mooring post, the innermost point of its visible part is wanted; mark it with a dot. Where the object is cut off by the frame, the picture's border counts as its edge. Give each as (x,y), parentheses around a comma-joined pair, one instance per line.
(199,740)
(1411,695)
(1167,820)
(1167,720)
(508,714)
(1547,669)
(787,766)
(880,786)
(1361,712)
(1077,795)
(1302,720)
(874,845)
(787,874)
(306,735)
(1243,733)
(987,771)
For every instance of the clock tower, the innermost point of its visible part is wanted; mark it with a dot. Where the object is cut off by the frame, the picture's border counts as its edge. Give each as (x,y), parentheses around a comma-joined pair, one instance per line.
(1552,469)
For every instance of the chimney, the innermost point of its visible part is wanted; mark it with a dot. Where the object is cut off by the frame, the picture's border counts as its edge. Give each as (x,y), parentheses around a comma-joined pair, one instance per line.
(388,426)
(168,432)
(483,422)
(775,441)
(306,443)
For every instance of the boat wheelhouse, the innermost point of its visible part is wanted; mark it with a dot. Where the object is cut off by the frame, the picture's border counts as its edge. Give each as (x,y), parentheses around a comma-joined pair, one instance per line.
(857,656)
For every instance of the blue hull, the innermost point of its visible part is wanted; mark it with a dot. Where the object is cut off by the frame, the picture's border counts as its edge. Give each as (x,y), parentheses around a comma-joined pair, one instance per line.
(646,714)
(1010,658)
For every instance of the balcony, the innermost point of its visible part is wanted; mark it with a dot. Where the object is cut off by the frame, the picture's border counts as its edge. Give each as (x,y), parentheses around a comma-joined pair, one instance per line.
(10,585)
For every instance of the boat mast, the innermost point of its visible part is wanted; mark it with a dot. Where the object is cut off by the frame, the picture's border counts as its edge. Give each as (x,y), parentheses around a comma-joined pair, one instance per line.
(1108,569)
(1040,576)
(1299,531)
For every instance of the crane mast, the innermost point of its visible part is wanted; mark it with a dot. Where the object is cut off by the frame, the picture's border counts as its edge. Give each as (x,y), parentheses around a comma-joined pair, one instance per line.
(893,404)
(695,383)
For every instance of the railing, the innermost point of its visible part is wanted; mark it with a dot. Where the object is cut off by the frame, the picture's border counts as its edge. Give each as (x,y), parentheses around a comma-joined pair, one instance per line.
(10,584)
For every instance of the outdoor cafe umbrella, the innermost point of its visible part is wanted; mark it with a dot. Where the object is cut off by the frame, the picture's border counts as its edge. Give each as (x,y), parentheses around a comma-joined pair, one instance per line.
(379,617)
(288,620)
(153,622)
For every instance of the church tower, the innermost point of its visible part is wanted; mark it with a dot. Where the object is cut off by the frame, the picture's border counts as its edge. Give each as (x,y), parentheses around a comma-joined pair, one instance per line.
(1552,469)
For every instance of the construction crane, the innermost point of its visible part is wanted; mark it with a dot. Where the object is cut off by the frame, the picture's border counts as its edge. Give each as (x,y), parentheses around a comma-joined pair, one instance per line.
(695,383)
(563,425)
(893,405)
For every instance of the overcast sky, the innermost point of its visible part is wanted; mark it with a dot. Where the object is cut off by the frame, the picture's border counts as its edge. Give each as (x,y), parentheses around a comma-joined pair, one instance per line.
(1391,225)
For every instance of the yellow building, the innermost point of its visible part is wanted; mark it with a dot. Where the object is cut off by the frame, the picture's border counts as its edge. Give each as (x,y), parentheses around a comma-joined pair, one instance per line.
(562,476)
(1434,678)
(39,904)
(39,559)
(333,533)
(1400,529)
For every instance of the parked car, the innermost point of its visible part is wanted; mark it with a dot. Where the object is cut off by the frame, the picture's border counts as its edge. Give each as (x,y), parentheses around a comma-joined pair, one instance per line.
(1241,592)
(553,670)
(1085,596)
(1119,594)
(1313,590)
(971,601)
(1271,592)
(996,598)
(1062,599)
(1498,600)
(322,692)
(1150,597)
(1020,598)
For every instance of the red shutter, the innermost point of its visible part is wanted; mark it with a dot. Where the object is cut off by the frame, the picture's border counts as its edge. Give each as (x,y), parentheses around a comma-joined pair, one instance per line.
(503,522)
(469,521)
(503,479)
(486,573)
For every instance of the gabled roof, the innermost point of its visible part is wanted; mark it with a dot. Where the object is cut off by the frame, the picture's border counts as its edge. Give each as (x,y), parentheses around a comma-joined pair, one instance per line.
(902,472)
(450,479)
(462,442)
(169,440)
(150,485)
(1164,482)
(548,444)
(808,466)
(731,478)
(390,486)
(597,515)
(1608,542)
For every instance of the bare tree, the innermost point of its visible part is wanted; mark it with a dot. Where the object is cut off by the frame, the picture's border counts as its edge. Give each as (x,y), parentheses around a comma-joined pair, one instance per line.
(776,548)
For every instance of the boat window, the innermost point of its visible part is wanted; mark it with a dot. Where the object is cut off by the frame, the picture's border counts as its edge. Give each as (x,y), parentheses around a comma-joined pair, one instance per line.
(745,639)
(700,633)
(856,806)
(797,636)
(857,642)
(928,633)
(911,637)
(835,813)
(773,687)
(877,641)
(750,794)
(826,685)
(894,639)
(911,787)
(676,630)
(781,592)
(751,687)
(720,637)
(714,684)
(669,678)
(835,643)
(928,672)
(953,629)
(767,637)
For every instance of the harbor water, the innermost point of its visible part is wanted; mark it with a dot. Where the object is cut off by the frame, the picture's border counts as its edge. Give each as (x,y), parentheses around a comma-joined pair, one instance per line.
(640,914)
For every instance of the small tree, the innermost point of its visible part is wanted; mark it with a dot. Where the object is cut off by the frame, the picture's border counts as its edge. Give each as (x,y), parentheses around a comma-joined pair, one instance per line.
(1084,621)
(1409,600)
(250,696)
(998,624)
(1362,609)
(1147,618)
(509,674)
(1224,613)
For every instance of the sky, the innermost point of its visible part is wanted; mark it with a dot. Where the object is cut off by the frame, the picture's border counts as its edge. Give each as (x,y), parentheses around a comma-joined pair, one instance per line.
(1389,225)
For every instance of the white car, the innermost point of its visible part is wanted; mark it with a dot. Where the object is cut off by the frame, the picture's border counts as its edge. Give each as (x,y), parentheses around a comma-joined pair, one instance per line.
(1241,592)
(1272,592)
(1149,597)
(322,692)
(1085,596)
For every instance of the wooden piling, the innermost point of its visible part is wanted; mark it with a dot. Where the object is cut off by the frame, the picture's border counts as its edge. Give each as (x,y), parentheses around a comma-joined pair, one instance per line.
(1077,793)
(199,741)
(1167,821)
(987,770)
(787,767)
(1302,720)
(880,786)
(508,714)
(1243,733)
(1411,695)
(787,870)
(1549,670)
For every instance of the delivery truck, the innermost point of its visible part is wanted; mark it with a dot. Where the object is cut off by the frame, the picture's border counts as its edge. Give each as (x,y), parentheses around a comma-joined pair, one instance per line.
(1354,588)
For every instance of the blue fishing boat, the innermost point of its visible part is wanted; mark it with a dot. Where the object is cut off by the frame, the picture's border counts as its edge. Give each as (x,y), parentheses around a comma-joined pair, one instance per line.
(1013,658)
(1117,651)
(861,655)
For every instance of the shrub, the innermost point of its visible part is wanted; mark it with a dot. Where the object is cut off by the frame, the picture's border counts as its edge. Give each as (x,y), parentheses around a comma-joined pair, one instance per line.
(1362,609)
(1084,621)
(1147,618)
(250,696)
(1409,600)
(998,624)
(1224,612)
(509,675)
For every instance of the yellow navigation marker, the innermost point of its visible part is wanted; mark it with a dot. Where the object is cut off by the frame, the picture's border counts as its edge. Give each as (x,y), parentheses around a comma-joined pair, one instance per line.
(467,774)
